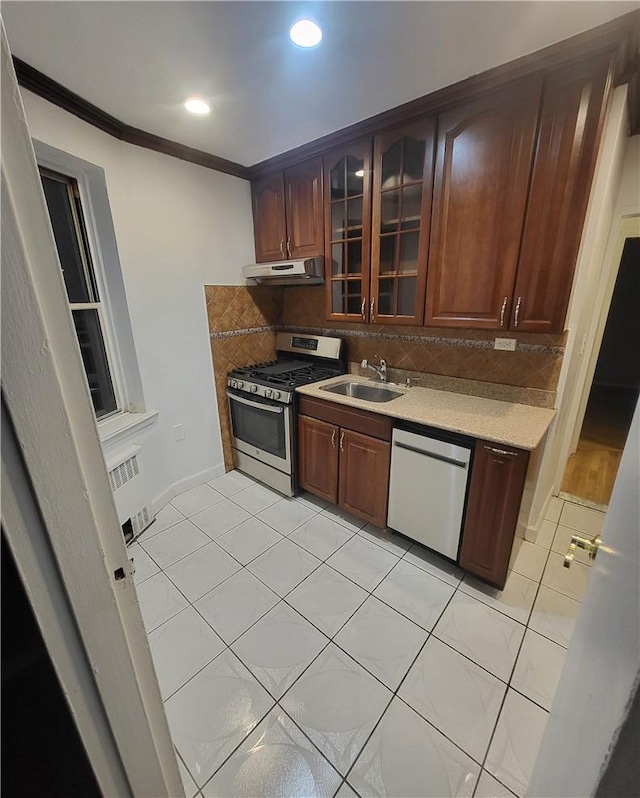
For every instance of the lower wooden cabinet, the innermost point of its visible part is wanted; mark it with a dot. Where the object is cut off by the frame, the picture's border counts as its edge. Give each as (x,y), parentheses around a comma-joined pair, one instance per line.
(495,493)
(346,467)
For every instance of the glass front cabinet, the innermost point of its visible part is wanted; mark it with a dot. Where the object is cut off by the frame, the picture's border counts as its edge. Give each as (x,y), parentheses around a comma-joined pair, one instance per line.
(377,226)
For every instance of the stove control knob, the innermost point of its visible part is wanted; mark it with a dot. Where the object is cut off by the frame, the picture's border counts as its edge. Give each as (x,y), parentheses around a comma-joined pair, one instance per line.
(276,394)
(233,383)
(268,393)
(253,388)
(240,384)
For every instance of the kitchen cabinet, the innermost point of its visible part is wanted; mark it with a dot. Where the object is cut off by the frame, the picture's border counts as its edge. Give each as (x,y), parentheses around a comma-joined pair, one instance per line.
(288,213)
(344,457)
(483,161)
(495,494)
(573,111)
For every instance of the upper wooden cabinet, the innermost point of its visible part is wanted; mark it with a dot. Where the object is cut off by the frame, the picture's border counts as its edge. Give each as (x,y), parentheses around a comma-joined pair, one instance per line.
(573,110)
(483,162)
(402,182)
(288,213)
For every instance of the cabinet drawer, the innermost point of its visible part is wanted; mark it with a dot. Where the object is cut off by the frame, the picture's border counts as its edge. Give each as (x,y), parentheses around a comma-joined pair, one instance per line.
(348,417)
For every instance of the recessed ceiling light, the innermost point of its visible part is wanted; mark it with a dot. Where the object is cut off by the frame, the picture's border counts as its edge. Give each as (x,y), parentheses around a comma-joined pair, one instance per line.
(305,33)
(197,106)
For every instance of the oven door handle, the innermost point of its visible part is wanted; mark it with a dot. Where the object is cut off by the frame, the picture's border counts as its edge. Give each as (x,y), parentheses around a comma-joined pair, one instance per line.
(259,405)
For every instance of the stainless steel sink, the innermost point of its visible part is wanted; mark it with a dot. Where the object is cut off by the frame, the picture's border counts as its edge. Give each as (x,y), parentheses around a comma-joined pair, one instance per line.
(359,390)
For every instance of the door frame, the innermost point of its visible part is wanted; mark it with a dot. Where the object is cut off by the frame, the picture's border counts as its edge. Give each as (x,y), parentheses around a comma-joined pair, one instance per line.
(59,516)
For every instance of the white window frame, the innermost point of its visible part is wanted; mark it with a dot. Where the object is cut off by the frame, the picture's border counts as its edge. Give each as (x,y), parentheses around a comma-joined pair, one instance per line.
(112,308)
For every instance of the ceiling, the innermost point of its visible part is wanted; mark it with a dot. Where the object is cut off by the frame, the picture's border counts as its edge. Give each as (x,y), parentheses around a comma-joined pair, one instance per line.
(139,61)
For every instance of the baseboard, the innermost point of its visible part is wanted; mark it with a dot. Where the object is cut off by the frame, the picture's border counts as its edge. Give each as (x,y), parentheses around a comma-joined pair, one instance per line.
(186,484)
(531,530)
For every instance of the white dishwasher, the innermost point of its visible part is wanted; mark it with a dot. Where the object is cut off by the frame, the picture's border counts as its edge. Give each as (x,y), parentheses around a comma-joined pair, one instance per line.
(428,488)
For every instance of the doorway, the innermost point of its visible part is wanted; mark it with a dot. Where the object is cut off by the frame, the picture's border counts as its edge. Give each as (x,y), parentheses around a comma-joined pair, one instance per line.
(591,470)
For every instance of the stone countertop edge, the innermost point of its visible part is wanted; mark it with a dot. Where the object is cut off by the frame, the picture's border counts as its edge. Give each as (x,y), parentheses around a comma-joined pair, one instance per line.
(520,426)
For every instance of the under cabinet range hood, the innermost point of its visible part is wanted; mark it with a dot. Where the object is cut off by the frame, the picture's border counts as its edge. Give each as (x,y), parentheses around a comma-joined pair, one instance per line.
(291,272)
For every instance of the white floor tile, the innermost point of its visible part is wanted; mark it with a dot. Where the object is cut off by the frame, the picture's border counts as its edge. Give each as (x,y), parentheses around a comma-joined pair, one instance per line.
(363,562)
(197,499)
(236,604)
(181,647)
(381,640)
(538,668)
(515,600)
(389,540)
(336,703)
(220,518)
(256,498)
(481,633)
(159,600)
(554,509)
(346,791)
(214,712)
(516,742)
(167,517)
(554,615)
(561,543)
(198,573)
(279,647)
(248,540)
(230,483)
(406,756)
(321,536)
(545,535)
(571,581)
(582,519)
(488,787)
(327,599)
(351,522)
(190,787)
(415,593)
(286,515)
(175,543)
(528,559)
(144,565)
(457,696)
(283,566)
(276,759)
(434,564)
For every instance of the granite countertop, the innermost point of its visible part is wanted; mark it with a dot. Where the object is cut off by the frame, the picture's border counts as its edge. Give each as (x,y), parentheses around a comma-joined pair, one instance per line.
(522,426)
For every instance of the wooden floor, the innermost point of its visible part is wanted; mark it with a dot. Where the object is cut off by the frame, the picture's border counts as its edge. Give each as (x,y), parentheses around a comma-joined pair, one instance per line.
(592,470)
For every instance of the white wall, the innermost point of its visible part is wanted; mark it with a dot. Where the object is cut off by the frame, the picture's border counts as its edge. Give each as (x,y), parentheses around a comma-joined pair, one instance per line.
(178,227)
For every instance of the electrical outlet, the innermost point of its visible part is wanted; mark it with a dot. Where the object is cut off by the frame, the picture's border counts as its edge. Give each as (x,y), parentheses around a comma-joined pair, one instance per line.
(178,432)
(506,344)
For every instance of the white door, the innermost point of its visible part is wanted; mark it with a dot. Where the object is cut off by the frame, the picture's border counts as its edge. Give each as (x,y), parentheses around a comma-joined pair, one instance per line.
(602,667)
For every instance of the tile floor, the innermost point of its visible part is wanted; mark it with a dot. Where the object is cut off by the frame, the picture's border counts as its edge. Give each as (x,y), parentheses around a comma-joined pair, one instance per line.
(302,653)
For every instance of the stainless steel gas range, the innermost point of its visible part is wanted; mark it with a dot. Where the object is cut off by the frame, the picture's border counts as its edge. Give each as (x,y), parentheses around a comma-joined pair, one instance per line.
(262,405)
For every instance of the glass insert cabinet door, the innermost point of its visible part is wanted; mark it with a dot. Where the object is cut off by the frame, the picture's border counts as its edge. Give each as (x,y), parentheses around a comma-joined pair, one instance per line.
(347,175)
(402,188)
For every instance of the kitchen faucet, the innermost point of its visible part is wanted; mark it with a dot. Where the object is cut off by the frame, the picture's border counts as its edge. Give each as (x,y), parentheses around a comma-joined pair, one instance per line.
(380,370)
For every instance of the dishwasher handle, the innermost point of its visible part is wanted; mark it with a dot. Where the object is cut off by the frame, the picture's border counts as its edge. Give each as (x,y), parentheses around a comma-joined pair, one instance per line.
(433,455)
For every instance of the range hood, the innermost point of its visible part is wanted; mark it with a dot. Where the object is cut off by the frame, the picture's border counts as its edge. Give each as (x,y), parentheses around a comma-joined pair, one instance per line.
(286,272)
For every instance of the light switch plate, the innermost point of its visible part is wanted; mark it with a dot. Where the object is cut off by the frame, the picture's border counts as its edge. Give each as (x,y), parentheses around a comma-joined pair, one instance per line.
(506,344)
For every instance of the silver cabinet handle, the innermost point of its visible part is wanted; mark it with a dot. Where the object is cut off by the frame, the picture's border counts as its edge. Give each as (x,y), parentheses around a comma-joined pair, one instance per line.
(517,312)
(502,310)
(333,439)
(362,308)
(371,309)
(282,248)
(501,451)
(289,247)
(341,440)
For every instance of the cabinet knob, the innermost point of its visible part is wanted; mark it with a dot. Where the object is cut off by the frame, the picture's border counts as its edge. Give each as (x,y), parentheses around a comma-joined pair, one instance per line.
(372,308)
(333,439)
(502,310)
(282,248)
(517,312)
(501,451)
(363,308)
(341,440)
(289,247)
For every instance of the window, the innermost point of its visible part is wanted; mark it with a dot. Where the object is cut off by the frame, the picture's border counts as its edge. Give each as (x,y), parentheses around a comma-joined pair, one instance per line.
(69,229)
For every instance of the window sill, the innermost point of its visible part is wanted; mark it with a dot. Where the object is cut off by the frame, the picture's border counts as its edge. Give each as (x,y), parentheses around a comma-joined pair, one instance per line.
(113,430)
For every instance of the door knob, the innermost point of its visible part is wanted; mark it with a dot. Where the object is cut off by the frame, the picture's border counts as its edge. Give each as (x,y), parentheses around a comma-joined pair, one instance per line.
(589,545)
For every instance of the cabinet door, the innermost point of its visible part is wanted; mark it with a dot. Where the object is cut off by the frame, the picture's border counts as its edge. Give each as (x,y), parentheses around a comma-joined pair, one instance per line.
(347,181)
(573,109)
(303,193)
(495,494)
(318,458)
(269,223)
(483,161)
(402,186)
(364,476)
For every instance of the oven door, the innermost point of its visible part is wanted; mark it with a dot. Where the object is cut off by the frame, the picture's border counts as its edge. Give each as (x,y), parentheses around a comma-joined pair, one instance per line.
(261,429)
